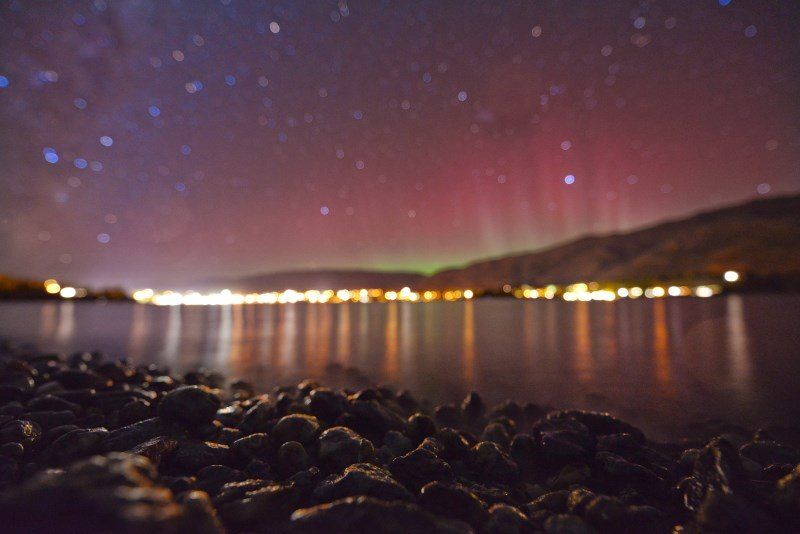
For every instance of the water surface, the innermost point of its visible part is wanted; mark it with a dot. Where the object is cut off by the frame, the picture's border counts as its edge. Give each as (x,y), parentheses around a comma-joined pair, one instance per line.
(659,363)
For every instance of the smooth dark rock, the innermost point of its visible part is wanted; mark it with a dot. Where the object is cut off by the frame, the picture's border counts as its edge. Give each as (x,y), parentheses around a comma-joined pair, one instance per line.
(134,411)
(448,415)
(473,407)
(296,427)
(189,405)
(191,456)
(48,420)
(249,447)
(213,477)
(716,468)
(260,507)
(112,493)
(599,423)
(75,445)
(25,432)
(362,479)
(154,449)
(292,457)
(365,514)
(419,467)
(769,452)
(454,501)
(420,426)
(326,404)
(127,437)
(339,447)
(76,379)
(567,524)
(505,519)
(491,462)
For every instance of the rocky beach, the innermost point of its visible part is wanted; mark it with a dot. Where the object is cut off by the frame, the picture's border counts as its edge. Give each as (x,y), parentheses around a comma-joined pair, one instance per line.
(95,445)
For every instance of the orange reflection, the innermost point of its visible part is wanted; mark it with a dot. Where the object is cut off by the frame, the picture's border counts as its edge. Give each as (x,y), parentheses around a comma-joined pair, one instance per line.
(609,332)
(407,335)
(391,342)
(287,328)
(740,366)
(236,347)
(223,336)
(469,344)
(138,333)
(325,327)
(343,334)
(583,342)
(172,339)
(66,323)
(661,347)
(528,328)
(47,322)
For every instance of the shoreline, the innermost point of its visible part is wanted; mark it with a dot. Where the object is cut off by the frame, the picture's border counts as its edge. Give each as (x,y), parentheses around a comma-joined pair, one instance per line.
(134,449)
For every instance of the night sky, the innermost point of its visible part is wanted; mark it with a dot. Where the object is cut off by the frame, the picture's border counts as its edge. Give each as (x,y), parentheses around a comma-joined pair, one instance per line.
(153,141)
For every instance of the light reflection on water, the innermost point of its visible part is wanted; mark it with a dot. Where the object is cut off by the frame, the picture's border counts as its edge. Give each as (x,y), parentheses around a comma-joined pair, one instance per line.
(660,363)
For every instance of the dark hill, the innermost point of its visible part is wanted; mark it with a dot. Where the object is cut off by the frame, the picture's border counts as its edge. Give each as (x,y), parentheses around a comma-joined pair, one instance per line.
(760,238)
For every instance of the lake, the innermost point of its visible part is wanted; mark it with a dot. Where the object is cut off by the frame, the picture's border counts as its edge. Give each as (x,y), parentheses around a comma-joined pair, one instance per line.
(661,363)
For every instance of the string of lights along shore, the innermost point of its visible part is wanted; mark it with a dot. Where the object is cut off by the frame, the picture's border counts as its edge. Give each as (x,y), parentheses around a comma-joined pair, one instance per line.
(150,143)
(583,292)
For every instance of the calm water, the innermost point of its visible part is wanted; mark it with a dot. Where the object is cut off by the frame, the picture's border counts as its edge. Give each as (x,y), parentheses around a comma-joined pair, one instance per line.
(659,363)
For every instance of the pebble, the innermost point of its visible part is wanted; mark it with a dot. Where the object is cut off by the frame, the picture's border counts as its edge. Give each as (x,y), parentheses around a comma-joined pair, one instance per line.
(88,445)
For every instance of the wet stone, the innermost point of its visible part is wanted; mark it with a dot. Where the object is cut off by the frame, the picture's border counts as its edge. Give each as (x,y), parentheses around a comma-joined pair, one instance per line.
(605,512)
(189,405)
(339,447)
(47,420)
(127,437)
(448,415)
(326,404)
(505,519)
(419,467)
(567,524)
(113,493)
(554,501)
(769,452)
(497,433)
(51,403)
(365,514)
(76,379)
(420,426)
(260,507)
(473,407)
(296,427)
(491,462)
(454,445)
(292,457)
(75,445)
(134,411)
(191,456)
(716,468)
(454,501)
(248,447)
(362,479)
(25,432)
(154,449)
(212,478)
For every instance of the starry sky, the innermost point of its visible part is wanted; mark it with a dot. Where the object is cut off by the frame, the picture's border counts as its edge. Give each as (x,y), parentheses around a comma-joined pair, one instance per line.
(147,142)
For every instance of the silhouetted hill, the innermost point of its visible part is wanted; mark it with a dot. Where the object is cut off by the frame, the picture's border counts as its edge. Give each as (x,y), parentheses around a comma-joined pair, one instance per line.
(760,238)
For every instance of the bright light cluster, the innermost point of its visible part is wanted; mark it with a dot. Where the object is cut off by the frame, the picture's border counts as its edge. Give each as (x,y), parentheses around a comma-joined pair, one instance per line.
(581,292)
(290,296)
(52,287)
(585,292)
